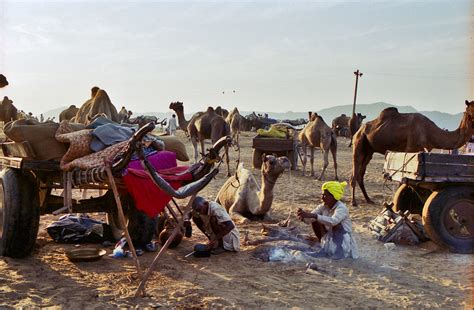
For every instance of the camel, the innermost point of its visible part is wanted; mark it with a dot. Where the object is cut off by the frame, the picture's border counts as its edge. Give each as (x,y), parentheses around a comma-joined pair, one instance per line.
(3,81)
(123,115)
(241,195)
(222,112)
(354,124)
(317,134)
(208,125)
(68,113)
(98,103)
(340,125)
(178,108)
(8,112)
(235,120)
(403,132)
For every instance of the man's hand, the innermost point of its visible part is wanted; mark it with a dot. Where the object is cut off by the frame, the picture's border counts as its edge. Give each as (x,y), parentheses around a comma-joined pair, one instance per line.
(303,214)
(210,245)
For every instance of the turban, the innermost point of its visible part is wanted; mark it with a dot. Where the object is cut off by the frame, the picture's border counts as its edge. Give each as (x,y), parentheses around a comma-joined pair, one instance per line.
(335,188)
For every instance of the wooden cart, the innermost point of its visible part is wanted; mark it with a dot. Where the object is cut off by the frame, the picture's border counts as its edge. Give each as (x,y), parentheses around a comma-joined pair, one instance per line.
(440,187)
(27,191)
(279,146)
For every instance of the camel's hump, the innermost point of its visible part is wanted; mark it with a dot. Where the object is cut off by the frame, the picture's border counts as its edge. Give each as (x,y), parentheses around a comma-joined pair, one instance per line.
(388,112)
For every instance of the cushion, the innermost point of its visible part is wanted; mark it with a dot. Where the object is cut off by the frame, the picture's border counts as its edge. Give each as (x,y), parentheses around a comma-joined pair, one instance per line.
(173,144)
(41,137)
(78,141)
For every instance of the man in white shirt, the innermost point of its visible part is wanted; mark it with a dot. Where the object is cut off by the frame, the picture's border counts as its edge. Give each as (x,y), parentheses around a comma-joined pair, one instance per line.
(214,221)
(331,223)
(172,125)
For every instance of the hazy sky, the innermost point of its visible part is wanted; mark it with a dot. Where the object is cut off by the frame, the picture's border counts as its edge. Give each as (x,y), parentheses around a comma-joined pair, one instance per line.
(276,55)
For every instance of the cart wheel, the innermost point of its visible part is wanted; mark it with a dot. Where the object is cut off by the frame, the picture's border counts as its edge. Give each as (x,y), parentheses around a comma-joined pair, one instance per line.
(19,213)
(448,218)
(406,198)
(257,159)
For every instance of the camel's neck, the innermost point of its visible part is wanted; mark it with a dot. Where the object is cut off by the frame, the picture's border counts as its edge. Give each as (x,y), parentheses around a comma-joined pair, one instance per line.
(265,196)
(449,140)
(182,122)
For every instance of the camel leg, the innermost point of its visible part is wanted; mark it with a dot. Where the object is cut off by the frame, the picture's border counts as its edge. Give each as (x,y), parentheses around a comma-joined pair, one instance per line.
(203,151)
(360,160)
(194,142)
(304,159)
(326,163)
(366,161)
(226,148)
(334,152)
(238,218)
(311,160)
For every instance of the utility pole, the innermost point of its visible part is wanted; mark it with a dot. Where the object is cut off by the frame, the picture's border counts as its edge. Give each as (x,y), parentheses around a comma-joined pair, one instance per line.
(357,74)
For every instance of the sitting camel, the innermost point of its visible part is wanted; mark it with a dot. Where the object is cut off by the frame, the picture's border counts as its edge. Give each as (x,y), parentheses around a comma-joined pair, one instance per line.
(8,111)
(68,113)
(97,104)
(234,119)
(242,197)
(208,125)
(403,132)
(317,134)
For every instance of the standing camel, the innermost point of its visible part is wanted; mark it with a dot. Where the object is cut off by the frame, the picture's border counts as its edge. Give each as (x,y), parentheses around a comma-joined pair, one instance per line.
(178,108)
(208,125)
(354,124)
(317,134)
(403,132)
(235,120)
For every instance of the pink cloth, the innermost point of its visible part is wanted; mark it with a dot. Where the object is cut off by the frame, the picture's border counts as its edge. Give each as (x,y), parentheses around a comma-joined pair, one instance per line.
(159,160)
(147,196)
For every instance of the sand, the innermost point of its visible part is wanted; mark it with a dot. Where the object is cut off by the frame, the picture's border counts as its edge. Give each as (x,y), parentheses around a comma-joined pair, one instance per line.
(406,276)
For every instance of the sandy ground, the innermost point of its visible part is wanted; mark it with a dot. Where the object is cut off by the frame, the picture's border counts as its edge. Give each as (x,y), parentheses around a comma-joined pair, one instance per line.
(415,276)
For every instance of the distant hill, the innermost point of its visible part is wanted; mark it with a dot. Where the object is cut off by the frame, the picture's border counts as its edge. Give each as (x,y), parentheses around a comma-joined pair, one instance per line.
(443,120)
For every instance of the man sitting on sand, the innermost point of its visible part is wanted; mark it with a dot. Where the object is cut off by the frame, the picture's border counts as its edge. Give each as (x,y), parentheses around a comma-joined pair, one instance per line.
(331,223)
(214,221)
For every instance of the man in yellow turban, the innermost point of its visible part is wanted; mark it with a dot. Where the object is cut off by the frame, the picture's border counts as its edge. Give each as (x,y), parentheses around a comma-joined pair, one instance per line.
(331,222)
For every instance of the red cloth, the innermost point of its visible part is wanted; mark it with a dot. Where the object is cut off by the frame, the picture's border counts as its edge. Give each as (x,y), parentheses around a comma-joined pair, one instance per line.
(148,197)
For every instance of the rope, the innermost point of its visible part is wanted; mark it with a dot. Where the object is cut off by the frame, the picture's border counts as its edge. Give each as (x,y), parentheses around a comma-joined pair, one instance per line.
(389,177)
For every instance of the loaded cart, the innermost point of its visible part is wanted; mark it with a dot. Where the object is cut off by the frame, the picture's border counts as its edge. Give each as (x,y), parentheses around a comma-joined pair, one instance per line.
(440,187)
(287,146)
(27,188)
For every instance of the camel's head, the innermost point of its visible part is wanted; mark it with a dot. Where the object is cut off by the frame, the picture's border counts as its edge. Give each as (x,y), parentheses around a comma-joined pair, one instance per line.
(6,101)
(273,166)
(176,106)
(470,109)
(312,116)
(3,81)
(360,117)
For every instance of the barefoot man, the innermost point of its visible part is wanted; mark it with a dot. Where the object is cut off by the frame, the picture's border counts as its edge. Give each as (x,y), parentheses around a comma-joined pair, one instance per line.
(331,222)
(214,221)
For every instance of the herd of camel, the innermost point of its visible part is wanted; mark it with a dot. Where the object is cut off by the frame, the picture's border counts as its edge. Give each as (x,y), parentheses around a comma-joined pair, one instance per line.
(390,131)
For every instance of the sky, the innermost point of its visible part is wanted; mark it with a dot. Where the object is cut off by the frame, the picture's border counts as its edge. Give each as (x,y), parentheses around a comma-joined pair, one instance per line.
(263,55)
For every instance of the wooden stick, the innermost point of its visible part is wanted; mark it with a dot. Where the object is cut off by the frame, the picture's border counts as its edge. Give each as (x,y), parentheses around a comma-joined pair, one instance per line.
(122,219)
(141,287)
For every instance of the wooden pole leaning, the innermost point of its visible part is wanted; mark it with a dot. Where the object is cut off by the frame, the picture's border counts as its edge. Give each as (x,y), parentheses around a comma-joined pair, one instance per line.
(141,288)
(122,219)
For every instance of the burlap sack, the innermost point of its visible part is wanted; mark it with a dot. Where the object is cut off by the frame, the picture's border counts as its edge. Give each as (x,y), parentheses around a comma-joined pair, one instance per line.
(175,145)
(40,136)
